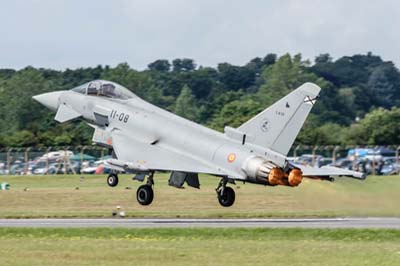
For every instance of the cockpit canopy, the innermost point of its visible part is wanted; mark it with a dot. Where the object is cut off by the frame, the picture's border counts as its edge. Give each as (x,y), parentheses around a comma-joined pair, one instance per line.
(105,88)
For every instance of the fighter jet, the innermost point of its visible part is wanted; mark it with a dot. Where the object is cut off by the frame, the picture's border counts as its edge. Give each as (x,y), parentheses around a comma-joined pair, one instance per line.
(145,139)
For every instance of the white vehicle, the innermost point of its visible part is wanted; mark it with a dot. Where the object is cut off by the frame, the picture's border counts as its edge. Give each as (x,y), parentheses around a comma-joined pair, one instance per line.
(91,167)
(56,155)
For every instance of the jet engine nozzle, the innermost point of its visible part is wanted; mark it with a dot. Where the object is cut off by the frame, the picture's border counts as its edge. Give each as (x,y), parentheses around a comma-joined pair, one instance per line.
(295,177)
(278,177)
(260,171)
(257,170)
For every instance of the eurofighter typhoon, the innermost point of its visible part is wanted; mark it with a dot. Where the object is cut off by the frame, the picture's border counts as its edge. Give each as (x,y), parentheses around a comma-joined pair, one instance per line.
(146,139)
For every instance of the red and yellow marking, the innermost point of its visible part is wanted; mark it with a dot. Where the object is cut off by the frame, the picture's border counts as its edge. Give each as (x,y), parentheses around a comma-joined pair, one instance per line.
(231,157)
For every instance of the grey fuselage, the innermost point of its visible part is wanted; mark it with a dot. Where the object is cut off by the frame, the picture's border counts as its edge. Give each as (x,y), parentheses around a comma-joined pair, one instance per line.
(150,124)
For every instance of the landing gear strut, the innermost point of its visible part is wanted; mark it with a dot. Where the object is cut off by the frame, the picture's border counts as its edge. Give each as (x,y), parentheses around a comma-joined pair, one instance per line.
(112,180)
(226,195)
(145,193)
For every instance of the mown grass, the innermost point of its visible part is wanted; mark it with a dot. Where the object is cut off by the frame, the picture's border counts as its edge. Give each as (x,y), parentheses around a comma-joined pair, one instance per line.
(73,196)
(211,246)
(264,234)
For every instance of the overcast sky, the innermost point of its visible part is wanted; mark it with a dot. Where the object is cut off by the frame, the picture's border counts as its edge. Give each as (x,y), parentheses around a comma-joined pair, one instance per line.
(80,33)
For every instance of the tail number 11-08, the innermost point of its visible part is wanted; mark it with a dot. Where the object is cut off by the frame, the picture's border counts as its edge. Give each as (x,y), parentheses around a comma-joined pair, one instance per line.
(119,116)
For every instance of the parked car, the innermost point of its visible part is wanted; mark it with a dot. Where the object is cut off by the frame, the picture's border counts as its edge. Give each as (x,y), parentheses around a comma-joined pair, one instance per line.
(56,155)
(324,161)
(390,166)
(90,169)
(2,168)
(309,159)
(343,163)
(376,154)
(17,168)
(96,168)
(61,168)
(40,167)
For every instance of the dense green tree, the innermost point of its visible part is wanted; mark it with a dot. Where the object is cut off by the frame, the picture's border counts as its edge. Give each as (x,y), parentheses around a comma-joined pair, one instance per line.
(373,82)
(323,59)
(352,86)
(23,138)
(284,76)
(63,140)
(154,95)
(349,70)
(6,73)
(327,134)
(2,142)
(202,82)
(255,63)
(235,77)
(17,110)
(161,65)
(235,113)
(381,127)
(383,85)
(184,64)
(217,99)
(269,59)
(185,105)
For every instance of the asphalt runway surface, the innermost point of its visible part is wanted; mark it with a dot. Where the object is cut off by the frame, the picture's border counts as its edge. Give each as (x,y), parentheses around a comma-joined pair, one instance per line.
(389,223)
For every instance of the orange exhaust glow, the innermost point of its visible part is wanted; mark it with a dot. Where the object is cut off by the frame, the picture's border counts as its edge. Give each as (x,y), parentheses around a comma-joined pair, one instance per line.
(278,177)
(295,177)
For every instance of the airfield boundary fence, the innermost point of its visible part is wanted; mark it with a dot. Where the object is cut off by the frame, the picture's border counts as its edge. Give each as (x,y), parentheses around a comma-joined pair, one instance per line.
(26,155)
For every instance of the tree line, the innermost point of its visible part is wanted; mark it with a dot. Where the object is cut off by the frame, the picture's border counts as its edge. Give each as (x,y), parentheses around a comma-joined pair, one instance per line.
(359,101)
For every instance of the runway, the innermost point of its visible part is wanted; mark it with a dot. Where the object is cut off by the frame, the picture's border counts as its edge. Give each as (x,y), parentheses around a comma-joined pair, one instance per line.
(389,223)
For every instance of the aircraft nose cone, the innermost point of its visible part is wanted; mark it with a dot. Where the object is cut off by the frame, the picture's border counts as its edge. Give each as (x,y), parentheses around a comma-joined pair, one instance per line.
(50,99)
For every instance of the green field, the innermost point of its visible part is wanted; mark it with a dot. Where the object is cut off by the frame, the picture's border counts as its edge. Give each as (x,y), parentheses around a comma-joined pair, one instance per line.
(58,196)
(199,247)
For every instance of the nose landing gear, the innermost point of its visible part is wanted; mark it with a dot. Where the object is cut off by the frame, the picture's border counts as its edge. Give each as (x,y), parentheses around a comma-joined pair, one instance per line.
(112,180)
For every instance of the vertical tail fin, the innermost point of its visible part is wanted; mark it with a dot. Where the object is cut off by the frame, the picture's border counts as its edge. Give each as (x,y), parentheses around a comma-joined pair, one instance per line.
(277,126)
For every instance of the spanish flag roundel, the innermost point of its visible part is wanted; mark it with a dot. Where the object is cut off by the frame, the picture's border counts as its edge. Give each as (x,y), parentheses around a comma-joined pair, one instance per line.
(231,157)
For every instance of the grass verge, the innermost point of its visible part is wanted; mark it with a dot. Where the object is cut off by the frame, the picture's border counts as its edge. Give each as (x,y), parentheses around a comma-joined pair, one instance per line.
(23,246)
(74,196)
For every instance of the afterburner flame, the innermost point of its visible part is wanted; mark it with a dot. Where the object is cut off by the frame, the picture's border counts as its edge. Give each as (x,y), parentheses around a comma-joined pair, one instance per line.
(295,177)
(278,177)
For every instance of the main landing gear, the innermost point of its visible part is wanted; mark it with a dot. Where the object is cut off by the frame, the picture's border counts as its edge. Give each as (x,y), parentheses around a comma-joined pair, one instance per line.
(226,195)
(144,194)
